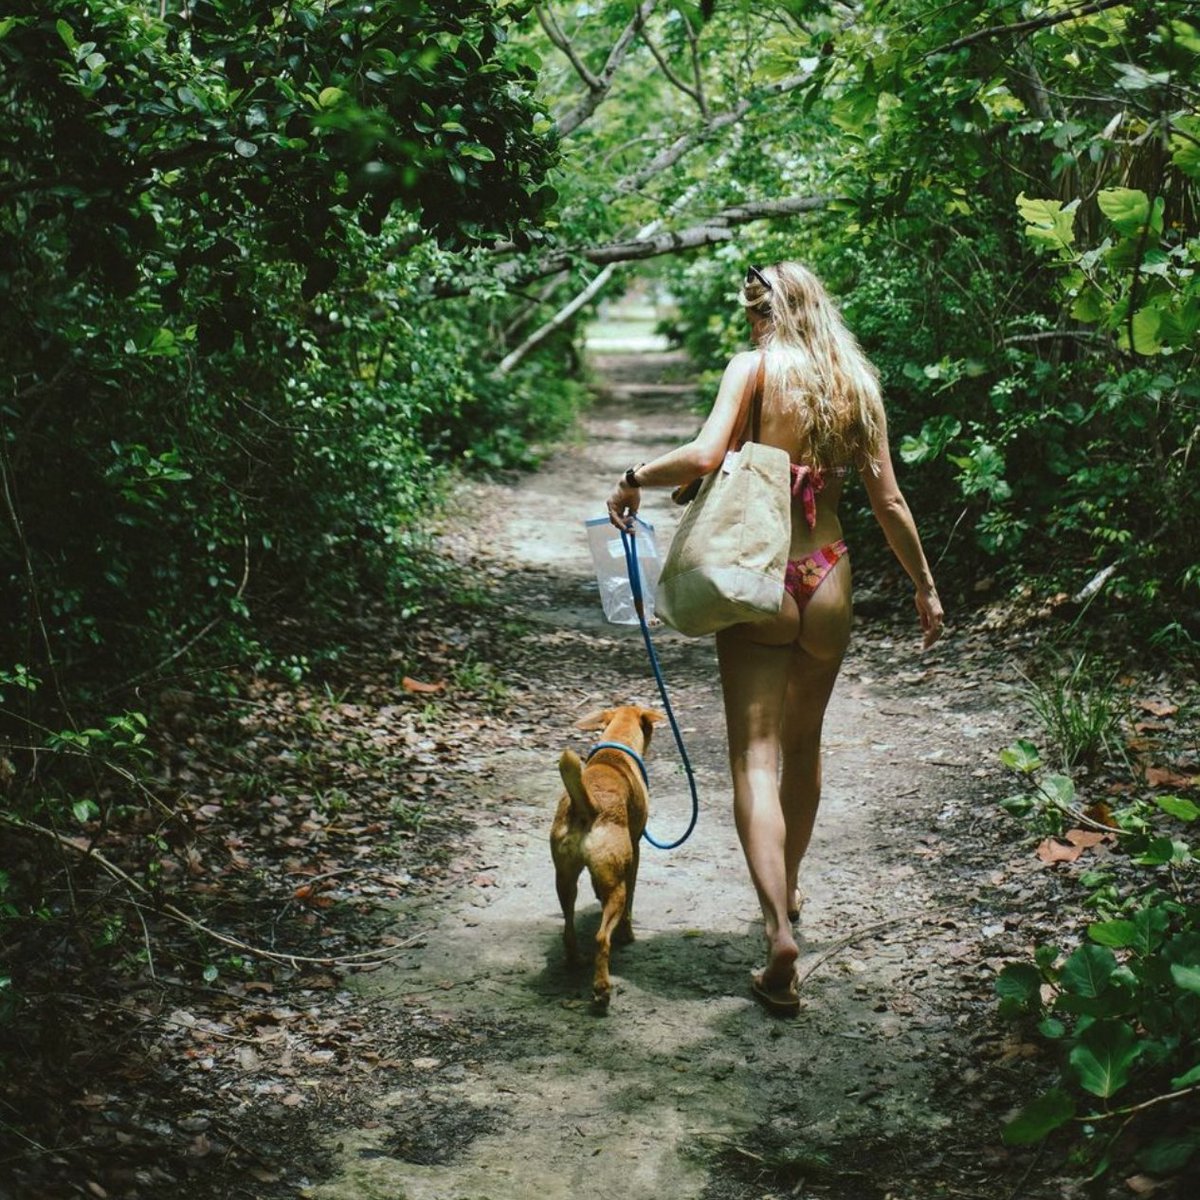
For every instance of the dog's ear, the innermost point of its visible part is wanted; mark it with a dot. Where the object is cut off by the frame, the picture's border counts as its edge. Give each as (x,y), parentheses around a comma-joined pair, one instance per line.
(649,717)
(595,720)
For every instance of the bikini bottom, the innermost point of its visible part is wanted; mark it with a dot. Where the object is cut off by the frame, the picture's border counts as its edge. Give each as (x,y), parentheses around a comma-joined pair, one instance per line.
(805,575)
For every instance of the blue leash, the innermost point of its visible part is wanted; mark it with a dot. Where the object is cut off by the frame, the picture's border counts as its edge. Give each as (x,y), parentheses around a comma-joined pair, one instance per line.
(635,585)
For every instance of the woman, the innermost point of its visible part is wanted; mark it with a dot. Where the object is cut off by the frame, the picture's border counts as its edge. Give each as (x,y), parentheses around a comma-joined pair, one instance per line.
(821,403)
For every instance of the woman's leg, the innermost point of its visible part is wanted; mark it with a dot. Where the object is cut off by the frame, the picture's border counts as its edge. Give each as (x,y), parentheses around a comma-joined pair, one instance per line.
(814,670)
(755,662)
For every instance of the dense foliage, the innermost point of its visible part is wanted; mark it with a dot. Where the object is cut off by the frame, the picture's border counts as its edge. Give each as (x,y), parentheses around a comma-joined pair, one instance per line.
(1014,240)
(1122,1008)
(224,388)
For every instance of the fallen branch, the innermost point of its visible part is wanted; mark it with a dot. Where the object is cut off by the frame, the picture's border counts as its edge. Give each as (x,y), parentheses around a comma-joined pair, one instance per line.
(1134,1108)
(849,940)
(182,918)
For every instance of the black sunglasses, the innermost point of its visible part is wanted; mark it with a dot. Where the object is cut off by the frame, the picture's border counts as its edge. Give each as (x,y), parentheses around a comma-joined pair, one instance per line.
(754,272)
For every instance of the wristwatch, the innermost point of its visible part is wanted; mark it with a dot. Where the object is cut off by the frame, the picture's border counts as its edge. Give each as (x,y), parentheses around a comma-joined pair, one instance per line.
(630,477)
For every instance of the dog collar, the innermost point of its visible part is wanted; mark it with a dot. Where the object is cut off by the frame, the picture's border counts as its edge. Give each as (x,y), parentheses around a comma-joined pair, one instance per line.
(637,758)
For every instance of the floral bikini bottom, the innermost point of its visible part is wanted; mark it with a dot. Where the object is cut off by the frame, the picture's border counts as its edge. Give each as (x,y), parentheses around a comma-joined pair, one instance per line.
(805,575)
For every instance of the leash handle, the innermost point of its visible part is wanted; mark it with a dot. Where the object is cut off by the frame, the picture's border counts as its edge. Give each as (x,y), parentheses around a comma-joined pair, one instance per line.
(635,586)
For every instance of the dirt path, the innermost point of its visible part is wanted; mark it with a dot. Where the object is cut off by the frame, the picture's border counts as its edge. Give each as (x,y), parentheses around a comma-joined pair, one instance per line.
(686,1077)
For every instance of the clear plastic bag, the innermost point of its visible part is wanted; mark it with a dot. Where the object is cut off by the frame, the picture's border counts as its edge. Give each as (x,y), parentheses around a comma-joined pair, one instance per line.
(612,574)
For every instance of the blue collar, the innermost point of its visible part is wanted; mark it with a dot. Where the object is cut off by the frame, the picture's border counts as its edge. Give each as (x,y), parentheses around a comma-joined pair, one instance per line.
(637,758)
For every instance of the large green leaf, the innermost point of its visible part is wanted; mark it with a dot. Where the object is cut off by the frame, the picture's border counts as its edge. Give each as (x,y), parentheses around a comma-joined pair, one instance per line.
(1113,933)
(1049,222)
(1020,984)
(1104,1056)
(1185,146)
(1058,789)
(1021,756)
(1187,1079)
(1145,330)
(1150,928)
(1179,807)
(1039,1118)
(1169,1154)
(1187,978)
(1088,971)
(1130,210)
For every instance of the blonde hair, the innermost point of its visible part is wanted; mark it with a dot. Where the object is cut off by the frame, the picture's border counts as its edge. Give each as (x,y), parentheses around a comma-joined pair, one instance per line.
(816,370)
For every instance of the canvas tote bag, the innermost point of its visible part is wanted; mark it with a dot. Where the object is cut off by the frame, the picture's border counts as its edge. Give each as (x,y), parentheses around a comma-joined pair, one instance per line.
(728,557)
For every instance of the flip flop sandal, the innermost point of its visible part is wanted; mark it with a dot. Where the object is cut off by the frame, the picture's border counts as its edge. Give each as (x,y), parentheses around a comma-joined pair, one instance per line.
(777,1003)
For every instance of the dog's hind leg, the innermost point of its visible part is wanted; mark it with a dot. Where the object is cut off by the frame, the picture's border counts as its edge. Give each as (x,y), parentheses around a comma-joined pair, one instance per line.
(614,910)
(568,887)
(624,931)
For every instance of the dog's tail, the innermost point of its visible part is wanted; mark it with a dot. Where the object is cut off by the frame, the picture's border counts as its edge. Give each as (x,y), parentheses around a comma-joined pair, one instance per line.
(571,769)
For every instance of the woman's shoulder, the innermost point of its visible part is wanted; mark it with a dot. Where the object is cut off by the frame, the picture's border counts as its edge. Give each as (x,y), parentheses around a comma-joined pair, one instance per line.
(743,363)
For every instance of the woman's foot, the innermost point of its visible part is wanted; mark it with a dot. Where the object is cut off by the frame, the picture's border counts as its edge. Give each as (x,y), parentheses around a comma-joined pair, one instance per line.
(797,904)
(780,970)
(778,1001)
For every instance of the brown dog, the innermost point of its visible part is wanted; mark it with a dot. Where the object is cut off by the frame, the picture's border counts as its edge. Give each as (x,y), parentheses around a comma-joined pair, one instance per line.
(599,825)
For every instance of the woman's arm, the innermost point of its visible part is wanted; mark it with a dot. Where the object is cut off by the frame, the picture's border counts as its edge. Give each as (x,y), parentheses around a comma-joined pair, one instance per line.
(896,520)
(704,453)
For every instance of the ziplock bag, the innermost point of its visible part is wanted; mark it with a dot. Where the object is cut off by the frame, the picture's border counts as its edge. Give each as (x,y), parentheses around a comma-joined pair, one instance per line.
(612,575)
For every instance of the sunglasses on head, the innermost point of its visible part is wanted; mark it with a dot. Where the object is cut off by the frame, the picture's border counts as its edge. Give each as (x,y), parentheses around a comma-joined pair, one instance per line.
(754,272)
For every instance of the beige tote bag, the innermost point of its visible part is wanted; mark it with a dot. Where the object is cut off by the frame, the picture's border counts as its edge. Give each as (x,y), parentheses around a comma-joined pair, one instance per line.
(728,557)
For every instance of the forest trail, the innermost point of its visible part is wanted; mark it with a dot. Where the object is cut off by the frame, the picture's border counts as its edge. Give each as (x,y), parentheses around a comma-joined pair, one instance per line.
(686,1072)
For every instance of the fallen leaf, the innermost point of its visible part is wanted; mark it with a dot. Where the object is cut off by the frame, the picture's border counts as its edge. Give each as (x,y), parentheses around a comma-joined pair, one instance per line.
(1053,851)
(1100,813)
(1158,708)
(415,685)
(1165,777)
(1084,838)
(1143,1185)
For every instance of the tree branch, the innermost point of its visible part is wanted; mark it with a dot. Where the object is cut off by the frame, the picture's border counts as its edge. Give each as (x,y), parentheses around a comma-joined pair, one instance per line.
(1057,335)
(1034,23)
(694,43)
(716,228)
(554,32)
(672,78)
(686,142)
(560,318)
(603,82)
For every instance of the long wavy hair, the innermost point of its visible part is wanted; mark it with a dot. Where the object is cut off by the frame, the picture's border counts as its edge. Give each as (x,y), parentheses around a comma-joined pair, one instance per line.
(816,370)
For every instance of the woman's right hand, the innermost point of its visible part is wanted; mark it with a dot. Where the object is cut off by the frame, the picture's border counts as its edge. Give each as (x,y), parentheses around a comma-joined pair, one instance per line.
(929,609)
(623,504)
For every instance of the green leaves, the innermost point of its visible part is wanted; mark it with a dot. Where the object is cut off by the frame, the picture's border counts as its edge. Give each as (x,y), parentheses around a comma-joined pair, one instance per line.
(1087,972)
(1113,933)
(1019,988)
(1185,977)
(1178,807)
(1039,1118)
(1104,1057)
(1049,223)
(1130,210)
(1022,756)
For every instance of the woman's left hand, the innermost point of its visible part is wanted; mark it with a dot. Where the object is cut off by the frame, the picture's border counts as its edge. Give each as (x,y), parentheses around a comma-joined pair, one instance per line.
(929,608)
(623,505)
